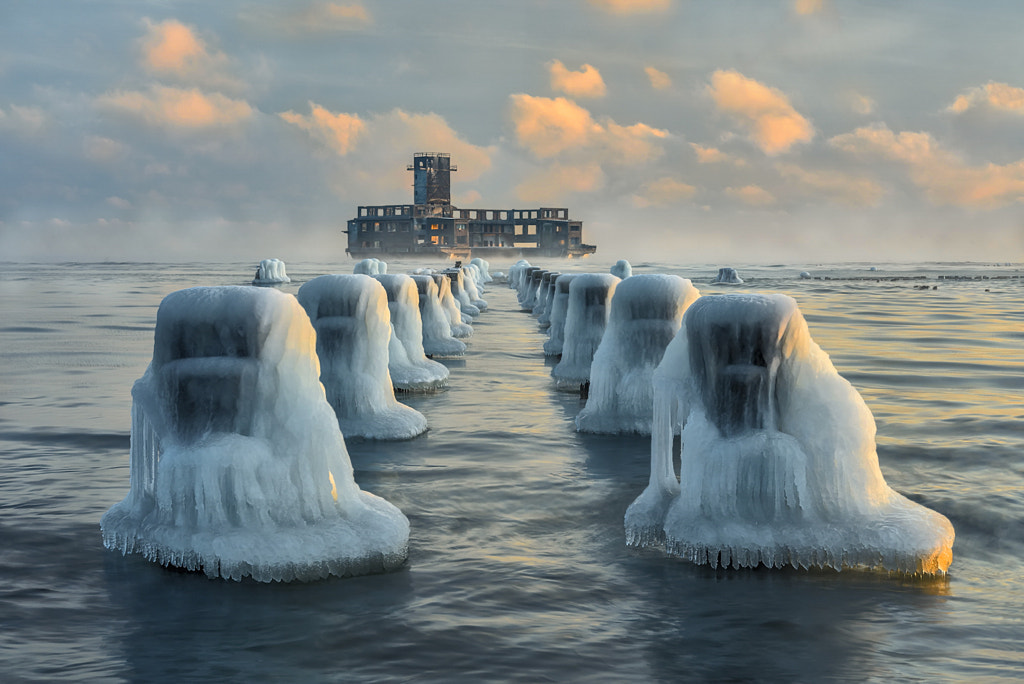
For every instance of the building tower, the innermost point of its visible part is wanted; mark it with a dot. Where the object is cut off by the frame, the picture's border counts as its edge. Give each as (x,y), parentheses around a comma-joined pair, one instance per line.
(432,178)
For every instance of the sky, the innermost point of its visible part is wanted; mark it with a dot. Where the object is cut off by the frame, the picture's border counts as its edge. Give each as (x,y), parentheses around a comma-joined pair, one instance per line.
(690,131)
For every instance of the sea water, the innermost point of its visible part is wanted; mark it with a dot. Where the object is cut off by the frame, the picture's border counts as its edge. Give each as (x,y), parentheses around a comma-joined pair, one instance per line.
(518,568)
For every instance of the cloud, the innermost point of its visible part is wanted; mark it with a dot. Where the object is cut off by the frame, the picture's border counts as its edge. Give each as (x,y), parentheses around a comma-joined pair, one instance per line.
(171,49)
(118,202)
(998,96)
(659,79)
(753,195)
(943,176)
(771,121)
(338,132)
(103,150)
(329,17)
(854,191)
(808,7)
(552,126)
(548,126)
(632,6)
(178,107)
(860,104)
(663,192)
(552,184)
(709,155)
(29,121)
(586,82)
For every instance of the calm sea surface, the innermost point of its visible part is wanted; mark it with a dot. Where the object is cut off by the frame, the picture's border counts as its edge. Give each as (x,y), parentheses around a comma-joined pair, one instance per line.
(517,567)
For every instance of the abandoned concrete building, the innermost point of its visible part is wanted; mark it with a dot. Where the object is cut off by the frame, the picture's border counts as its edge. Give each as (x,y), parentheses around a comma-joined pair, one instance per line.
(431,225)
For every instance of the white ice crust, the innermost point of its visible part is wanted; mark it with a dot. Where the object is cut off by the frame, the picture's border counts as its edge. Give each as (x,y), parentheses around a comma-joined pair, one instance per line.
(353,326)
(590,295)
(410,369)
(727,276)
(778,462)
(461,324)
(485,270)
(371,266)
(559,308)
(438,341)
(271,272)
(238,467)
(622,269)
(645,314)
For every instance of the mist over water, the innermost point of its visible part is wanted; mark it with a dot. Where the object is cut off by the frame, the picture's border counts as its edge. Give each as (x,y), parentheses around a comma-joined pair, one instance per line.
(518,569)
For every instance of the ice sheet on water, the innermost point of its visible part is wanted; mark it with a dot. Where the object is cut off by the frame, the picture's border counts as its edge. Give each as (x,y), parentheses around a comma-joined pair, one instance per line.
(778,463)
(271,272)
(237,466)
(645,315)
(590,295)
(353,326)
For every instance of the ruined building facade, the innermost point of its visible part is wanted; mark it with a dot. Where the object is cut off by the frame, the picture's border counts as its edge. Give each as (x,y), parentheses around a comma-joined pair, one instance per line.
(431,225)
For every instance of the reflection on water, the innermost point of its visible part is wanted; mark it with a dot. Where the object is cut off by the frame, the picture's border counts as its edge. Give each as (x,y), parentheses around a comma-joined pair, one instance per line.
(518,568)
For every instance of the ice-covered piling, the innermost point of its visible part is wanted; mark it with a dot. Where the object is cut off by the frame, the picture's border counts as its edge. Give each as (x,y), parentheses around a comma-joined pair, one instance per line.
(238,468)
(778,464)
(353,326)
(644,316)
(484,268)
(590,294)
(727,276)
(559,309)
(437,330)
(622,269)
(458,286)
(410,369)
(371,266)
(271,272)
(460,323)
(544,316)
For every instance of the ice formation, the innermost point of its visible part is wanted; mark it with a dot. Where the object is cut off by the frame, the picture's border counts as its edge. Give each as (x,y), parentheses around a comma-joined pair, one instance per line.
(437,329)
(586,316)
(804,275)
(371,267)
(409,366)
(458,286)
(460,323)
(516,272)
(727,276)
(543,309)
(237,466)
(271,272)
(643,318)
(472,284)
(529,299)
(622,269)
(778,464)
(485,269)
(353,329)
(559,307)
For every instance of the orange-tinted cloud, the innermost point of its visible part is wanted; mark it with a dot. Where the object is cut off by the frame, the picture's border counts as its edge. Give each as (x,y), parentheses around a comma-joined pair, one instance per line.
(998,96)
(187,108)
(329,17)
(338,132)
(753,195)
(844,188)
(551,185)
(709,155)
(586,82)
(171,49)
(548,126)
(663,192)
(553,126)
(632,6)
(659,79)
(806,7)
(103,150)
(771,121)
(860,104)
(944,177)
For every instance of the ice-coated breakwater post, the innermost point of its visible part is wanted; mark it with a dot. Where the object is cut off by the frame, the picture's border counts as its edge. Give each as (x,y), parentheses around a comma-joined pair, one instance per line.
(586,316)
(778,463)
(353,331)
(643,318)
(411,370)
(237,466)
